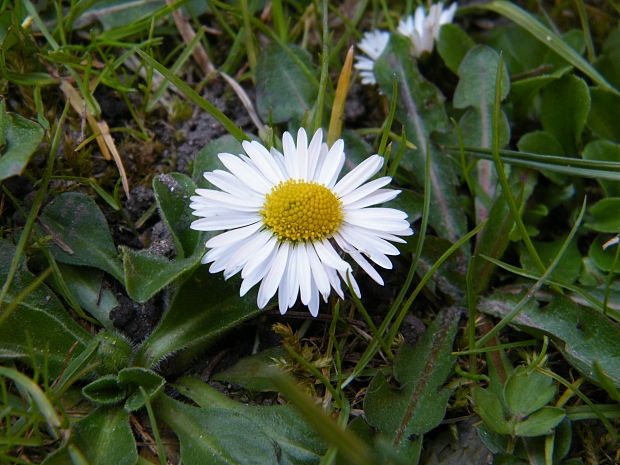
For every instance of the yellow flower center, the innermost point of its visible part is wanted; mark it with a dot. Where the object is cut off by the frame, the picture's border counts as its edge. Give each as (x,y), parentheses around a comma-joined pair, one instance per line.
(302,211)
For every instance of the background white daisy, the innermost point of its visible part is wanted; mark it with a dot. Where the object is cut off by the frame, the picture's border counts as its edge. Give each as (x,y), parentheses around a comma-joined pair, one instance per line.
(286,217)
(423,29)
(372,44)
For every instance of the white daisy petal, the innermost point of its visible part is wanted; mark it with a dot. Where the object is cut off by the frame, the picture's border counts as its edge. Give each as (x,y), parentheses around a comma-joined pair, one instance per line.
(377,197)
(313,302)
(260,258)
(366,242)
(332,164)
(347,277)
(365,190)
(272,280)
(225,221)
(305,273)
(283,290)
(245,251)
(230,183)
(246,173)
(358,175)
(314,152)
(293,277)
(210,197)
(258,272)
(367,267)
(302,154)
(264,161)
(319,274)
(290,156)
(328,255)
(234,235)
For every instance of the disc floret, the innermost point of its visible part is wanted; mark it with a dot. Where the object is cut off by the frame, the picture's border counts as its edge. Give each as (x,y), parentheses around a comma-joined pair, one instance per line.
(302,211)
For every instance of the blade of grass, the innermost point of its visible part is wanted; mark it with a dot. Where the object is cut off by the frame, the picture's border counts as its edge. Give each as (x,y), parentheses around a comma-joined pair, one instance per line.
(249,40)
(279,20)
(387,125)
(552,40)
(585,25)
(440,261)
(320,101)
(36,205)
(550,160)
(587,297)
(600,415)
(174,69)
(501,173)
(160,445)
(348,444)
(191,94)
(38,396)
(543,279)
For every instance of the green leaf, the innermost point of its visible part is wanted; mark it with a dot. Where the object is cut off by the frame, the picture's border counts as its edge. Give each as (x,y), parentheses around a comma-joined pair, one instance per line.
(207,160)
(605,150)
(420,403)
(113,352)
(134,378)
(565,109)
(605,113)
(420,108)
(104,437)
(524,90)
(113,389)
(453,44)
(253,372)
(608,65)
(286,85)
(520,50)
(527,391)
(147,272)
(491,410)
(280,422)
(213,433)
(113,15)
(495,236)
(476,125)
(544,143)
(204,308)
(172,193)
(80,233)
(567,270)
(547,37)
(39,325)
(105,390)
(19,138)
(583,335)
(477,76)
(87,287)
(603,216)
(541,422)
(540,142)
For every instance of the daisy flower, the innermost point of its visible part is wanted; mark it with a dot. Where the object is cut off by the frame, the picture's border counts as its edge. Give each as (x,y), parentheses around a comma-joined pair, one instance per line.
(372,44)
(287,216)
(423,30)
